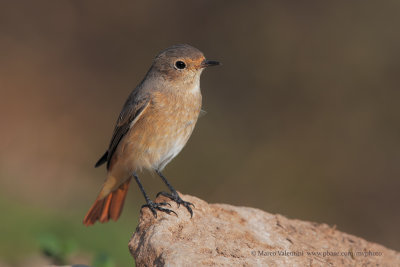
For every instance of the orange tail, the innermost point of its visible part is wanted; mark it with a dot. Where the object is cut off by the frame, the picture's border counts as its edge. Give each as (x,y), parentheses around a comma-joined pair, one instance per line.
(107,207)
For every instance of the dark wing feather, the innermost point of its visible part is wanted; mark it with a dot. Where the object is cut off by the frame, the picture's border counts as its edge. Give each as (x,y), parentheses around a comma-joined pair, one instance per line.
(102,160)
(132,109)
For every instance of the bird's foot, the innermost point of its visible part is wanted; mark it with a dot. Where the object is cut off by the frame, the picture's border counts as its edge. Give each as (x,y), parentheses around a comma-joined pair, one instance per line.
(175,197)
(153,206)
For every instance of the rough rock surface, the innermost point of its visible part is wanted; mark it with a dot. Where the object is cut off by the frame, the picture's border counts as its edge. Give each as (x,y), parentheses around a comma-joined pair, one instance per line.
(224,235)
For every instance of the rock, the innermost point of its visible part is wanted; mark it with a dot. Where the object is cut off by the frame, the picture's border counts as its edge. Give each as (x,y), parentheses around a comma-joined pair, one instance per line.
(225,235)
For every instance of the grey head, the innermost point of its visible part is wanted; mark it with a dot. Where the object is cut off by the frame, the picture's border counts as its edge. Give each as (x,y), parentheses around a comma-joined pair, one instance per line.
(180,63)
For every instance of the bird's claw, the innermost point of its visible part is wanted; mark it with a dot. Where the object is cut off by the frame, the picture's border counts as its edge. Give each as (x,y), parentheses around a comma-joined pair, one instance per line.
(153,206)
(175,197)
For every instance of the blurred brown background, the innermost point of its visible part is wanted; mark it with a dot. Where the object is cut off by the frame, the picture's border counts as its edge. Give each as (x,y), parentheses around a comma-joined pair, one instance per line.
(302,118)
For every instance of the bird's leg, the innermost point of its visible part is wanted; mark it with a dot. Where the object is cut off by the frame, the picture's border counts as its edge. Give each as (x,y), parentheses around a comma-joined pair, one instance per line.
(174,195)
(153,206)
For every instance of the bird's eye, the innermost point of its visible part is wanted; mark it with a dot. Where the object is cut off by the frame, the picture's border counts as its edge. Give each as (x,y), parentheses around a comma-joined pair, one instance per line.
(180,65)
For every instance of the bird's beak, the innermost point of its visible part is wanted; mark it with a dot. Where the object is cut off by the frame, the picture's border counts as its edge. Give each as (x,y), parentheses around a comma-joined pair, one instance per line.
(209,63)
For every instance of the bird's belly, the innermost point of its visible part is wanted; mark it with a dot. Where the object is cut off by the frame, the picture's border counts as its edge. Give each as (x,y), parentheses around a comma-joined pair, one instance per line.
(158,149)
(158,138)
(172,145)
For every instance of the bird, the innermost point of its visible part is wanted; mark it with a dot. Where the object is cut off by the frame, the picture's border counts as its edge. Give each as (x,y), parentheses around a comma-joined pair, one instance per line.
(154,125)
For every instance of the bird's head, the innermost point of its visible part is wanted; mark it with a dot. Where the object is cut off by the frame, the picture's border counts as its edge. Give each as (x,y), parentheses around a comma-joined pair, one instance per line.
(181,63)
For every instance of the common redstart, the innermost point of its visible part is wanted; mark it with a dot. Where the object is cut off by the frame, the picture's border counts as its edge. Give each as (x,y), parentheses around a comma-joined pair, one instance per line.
(154,125)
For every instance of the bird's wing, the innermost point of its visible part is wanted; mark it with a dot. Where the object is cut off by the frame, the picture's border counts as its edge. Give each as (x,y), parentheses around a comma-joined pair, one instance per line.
(132,111)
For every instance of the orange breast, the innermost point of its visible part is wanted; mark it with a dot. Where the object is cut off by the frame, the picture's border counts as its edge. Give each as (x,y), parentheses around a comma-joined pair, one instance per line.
(160,134)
